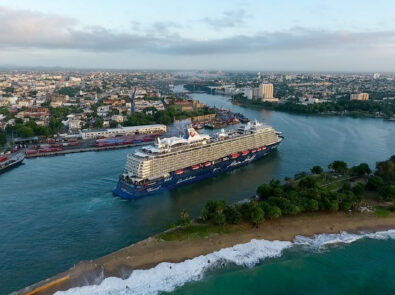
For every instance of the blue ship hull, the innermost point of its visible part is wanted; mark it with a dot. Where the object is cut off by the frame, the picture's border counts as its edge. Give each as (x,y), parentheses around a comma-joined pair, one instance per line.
(129,191)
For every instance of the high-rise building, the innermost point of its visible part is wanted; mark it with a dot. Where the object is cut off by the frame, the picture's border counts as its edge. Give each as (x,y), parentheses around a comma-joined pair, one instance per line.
(259,76)
(266,90)
(359,96)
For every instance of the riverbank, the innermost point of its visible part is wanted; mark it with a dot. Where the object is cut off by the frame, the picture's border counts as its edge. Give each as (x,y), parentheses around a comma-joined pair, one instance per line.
(354,109)
(152,251)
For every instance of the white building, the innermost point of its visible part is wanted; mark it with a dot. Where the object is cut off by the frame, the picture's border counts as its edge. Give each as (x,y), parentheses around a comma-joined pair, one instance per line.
(247,92)
(144,129)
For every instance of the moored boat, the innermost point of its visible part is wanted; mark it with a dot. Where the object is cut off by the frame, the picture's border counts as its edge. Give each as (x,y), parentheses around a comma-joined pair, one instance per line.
(7,163)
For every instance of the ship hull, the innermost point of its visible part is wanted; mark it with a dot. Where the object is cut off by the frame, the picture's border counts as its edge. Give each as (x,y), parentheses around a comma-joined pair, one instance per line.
(129,191)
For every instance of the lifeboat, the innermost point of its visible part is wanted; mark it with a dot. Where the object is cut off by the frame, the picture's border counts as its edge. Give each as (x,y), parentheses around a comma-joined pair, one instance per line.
(253,151)
(245,153)
(207,164)
(194,167)
(178,172)
(263,148)
(234,156)
(259,149)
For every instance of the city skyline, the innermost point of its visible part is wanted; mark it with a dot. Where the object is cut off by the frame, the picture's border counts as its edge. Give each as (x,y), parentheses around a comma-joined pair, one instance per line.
(243,35)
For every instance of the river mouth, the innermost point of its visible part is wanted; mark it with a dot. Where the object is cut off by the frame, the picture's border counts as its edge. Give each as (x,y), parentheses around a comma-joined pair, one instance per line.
(58,211)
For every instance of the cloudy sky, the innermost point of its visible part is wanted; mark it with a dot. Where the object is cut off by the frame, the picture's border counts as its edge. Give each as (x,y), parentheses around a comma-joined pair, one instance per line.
(265,35)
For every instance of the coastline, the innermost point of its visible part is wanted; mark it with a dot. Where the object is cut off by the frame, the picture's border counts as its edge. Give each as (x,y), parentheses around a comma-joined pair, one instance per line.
(152,251)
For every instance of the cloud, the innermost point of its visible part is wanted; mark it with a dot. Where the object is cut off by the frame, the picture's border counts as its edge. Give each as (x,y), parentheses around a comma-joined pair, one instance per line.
(229,19)
(27,29)
(293,39)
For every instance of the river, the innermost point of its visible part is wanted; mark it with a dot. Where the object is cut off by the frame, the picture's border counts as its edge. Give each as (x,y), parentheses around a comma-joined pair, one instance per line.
(57,211)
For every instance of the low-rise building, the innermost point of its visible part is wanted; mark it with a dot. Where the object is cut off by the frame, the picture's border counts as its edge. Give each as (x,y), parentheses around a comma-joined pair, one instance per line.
(144,129)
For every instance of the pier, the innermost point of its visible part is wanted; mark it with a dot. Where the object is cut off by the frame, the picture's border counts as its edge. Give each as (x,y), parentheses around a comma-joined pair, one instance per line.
(83,149)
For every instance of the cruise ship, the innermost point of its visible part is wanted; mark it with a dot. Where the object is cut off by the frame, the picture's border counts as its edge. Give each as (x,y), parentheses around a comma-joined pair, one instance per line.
(175,161)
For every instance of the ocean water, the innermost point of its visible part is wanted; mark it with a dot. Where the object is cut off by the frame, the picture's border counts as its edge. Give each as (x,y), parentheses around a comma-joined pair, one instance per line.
(57,211)
(324,264)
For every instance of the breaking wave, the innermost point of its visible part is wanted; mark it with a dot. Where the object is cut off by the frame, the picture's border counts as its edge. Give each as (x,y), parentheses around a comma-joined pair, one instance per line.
(165,277)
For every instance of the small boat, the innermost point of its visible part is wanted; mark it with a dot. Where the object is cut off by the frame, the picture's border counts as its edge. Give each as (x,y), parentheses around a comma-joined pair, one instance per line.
(259,149)
(263,148)
(207,164)
(178,172)
(253,151)
(245,153)
(194,167)
(234,156)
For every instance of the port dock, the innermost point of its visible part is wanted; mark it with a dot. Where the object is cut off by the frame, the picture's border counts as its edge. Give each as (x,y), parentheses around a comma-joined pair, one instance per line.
(82,149)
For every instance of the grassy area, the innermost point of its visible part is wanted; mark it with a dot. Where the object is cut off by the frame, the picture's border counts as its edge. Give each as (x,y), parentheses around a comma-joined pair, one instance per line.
(382,212)
(197,231)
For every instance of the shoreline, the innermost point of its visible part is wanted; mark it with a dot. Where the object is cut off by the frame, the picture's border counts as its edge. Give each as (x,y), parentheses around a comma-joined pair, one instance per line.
(152,251)
(336,114)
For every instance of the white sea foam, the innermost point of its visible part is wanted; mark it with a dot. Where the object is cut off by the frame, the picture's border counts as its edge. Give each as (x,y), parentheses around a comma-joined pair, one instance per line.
(165,277)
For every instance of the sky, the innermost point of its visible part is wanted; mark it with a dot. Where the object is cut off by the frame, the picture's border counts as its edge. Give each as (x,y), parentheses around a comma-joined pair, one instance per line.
(257,35)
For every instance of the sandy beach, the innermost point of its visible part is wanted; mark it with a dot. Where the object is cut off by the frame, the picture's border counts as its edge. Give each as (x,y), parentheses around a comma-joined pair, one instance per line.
(153,251)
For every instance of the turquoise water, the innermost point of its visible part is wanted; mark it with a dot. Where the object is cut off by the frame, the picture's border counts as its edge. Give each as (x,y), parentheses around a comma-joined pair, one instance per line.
(364,267)
(55,212)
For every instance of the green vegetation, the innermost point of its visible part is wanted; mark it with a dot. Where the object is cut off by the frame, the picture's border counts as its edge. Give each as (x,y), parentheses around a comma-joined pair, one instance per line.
(382,212)
(317,170)
(164,117)
(3,138)
(195,231)
(70,91)
(340,189)
(352,107)
(28,129)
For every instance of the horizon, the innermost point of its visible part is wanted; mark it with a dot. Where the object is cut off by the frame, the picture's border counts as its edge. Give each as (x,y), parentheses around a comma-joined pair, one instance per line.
(38,68)
(240,36)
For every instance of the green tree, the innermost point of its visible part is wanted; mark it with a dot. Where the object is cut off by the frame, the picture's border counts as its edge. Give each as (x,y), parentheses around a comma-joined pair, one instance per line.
(185,219)
(232,215)
(387,192)
(3,138)
(212,208)
(113,124)
(98,123)
(307,182)
(264,191)
(333,206)
(374,183)
(360,170)
(358,189)
(257,215)
(25,131)
(271,212)
(317,170)
(310,205)
(338,166)
(386,170)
